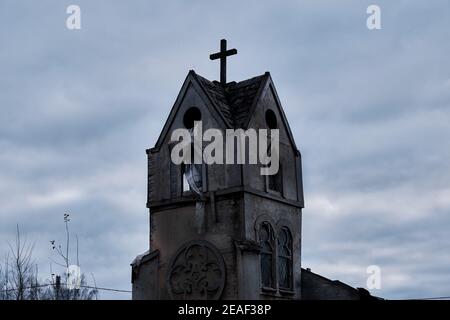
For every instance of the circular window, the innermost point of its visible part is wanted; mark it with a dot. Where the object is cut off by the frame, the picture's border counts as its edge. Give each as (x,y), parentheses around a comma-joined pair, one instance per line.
(196,272)
(191,115)
(271,119)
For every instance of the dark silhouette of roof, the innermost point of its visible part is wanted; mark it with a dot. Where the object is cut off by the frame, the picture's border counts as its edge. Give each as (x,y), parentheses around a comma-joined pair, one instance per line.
(234,103)
(234,100)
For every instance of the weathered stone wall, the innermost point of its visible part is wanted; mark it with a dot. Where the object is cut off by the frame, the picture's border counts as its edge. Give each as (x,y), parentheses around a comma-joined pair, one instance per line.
(144,279)
(235,219)
(175,226)
(279,214)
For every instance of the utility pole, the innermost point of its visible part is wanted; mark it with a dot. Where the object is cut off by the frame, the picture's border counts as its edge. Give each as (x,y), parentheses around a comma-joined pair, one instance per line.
(58,286)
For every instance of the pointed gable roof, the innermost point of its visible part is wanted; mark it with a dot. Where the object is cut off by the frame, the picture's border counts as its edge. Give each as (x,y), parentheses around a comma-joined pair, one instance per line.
(234,103)
(236,100)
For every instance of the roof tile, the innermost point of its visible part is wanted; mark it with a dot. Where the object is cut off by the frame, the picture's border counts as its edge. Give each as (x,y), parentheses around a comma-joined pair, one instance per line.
(233,102)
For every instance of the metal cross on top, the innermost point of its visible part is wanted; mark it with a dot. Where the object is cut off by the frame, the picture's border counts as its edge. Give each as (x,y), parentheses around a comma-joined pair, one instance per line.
(222,55)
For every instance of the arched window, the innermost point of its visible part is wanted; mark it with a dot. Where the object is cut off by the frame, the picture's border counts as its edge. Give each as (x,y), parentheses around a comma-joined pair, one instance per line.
(184,181)
(284,250)
(191,172)
(190,116)
(267,243)
(274,181)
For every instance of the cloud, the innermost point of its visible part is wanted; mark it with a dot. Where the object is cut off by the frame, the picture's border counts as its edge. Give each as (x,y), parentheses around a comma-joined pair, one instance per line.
(369,111)
(64,197)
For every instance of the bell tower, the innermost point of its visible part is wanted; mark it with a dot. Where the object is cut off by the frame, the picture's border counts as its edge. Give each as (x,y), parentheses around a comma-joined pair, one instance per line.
(222,230)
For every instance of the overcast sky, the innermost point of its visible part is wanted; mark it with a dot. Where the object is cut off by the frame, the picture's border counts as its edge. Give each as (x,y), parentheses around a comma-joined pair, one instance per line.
(370,112)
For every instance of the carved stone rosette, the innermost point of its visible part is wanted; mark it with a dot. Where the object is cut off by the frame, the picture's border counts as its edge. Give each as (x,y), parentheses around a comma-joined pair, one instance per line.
(196,272)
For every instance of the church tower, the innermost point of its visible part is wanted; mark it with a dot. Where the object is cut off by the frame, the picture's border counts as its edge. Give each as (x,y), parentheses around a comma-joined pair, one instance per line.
(223,231)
